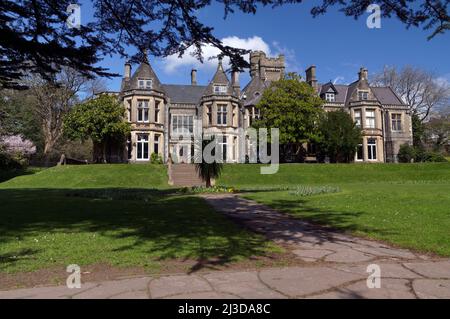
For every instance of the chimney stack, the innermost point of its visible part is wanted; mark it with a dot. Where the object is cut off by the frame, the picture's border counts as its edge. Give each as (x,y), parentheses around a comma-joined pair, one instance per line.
(193,77)
(235,82)
(311,77)
(363,74)
(127,72)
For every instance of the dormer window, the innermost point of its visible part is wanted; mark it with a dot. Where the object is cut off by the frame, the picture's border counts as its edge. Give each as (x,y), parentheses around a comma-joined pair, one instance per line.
(330,97)
(220,89)
(145,83)
(363,95)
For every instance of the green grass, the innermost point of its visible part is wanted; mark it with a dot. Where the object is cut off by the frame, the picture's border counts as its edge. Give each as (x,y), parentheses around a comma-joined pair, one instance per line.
(94,176)
(122,215)
(407,205)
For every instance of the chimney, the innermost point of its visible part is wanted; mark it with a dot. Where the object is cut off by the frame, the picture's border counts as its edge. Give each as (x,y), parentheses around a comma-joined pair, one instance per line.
(235,82)
(363,74)
(127,72)
(193,77)
(311,77)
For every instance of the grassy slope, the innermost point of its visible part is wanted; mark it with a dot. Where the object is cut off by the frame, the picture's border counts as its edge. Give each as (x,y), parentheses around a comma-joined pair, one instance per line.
(94,176)
(408,205)
(86,216)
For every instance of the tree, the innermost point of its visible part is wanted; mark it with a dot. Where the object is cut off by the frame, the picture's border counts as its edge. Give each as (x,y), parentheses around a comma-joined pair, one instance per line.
(294,108)
(339,136)
(418,131)
(35,38)
(437,132)
(207,171)
(52,101)
(418,88)
(100,119)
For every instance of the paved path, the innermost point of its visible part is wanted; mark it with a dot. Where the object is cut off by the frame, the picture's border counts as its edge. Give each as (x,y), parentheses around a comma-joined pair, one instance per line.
(335,267)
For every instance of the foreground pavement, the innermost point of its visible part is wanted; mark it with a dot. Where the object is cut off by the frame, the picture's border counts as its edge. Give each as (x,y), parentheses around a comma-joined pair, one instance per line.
(335,267)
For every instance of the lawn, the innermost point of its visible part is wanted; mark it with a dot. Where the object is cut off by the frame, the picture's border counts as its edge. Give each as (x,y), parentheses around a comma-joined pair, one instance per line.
(407,205)
(121,215)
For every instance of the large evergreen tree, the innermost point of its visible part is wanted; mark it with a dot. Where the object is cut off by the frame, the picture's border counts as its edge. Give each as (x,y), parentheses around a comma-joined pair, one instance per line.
(339,136)
(294,108)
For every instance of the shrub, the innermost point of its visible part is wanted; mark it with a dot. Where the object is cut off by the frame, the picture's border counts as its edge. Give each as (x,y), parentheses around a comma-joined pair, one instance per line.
(418,154)
(155,158)
(12,160)
(406,154)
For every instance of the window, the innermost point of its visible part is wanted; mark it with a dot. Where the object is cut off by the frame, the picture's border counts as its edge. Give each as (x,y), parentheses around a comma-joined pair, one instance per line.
(223,147)
(372,149)
(330,97)
(142,111)
(357,114)
(142,147)
(220,89)
(209,114)
(222,115)
(360,152)
(235,146)
(363,95)
(145,83)
(182,124)
(370,118)
(157,109)
(156,144)
(396,122)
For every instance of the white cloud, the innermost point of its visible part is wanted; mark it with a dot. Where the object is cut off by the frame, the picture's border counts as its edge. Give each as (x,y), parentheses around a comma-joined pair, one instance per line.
(172,63)
(338,79)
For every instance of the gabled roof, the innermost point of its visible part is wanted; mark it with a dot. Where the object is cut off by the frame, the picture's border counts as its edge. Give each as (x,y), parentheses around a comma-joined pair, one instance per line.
(326,88)
(184,94)
(144,71)
(219,78)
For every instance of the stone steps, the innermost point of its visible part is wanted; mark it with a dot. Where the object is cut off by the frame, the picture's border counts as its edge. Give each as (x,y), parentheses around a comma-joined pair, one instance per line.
(184,175)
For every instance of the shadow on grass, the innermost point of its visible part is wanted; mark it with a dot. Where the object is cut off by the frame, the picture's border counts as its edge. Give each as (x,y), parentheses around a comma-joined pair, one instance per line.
(134,224)
(316,224)
(10,174)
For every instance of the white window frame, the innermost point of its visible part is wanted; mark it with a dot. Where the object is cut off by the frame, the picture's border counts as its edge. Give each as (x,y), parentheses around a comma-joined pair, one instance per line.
(144,108)
(371,122)
(223,144)
(156,139)
(157,110)
(145,84)
(142,140)
(363,95)
(184,124)
(371,147)
(330,97)
(222,114)
(220,89)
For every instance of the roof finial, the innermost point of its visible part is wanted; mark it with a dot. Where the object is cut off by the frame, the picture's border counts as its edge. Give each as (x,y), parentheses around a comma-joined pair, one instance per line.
(220,62)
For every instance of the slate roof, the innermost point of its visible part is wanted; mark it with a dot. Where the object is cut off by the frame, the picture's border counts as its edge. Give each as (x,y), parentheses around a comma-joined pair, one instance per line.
(184,94)
(256,85)
(385,95)
(219,78)
(145,71)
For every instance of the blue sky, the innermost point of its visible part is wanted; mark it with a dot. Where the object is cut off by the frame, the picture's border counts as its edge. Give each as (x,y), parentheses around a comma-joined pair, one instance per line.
(336,44)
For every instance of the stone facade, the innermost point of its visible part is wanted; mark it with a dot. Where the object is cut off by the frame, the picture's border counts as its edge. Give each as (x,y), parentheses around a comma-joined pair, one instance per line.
(164,117)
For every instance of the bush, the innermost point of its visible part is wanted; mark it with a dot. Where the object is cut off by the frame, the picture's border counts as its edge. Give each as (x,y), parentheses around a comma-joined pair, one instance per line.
(156,158)
(406,154)
(12,160)
(418,154)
